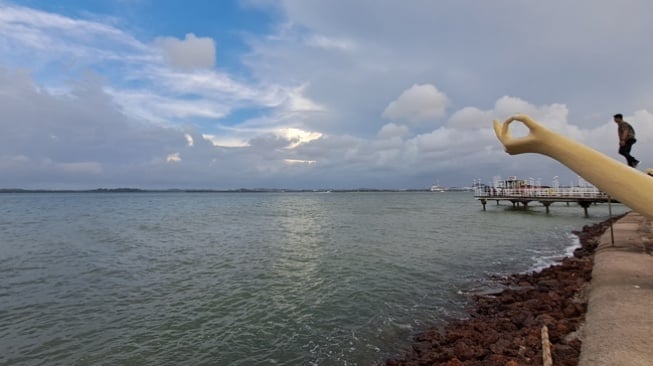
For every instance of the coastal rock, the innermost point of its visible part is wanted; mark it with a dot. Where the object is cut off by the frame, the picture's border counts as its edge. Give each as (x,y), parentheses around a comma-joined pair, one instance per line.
(505,328)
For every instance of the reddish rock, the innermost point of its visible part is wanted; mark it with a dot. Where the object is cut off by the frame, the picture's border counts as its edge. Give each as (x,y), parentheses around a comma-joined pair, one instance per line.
(505,328)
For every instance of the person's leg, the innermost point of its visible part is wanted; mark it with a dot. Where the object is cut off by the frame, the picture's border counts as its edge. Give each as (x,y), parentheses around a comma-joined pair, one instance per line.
(625,151)
(630,144)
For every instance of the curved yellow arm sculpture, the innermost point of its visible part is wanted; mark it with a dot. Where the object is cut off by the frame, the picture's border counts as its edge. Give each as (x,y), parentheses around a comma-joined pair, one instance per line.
(628,185)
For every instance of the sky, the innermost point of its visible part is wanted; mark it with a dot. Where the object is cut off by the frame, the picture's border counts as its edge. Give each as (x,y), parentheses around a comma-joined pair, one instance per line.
(307,94)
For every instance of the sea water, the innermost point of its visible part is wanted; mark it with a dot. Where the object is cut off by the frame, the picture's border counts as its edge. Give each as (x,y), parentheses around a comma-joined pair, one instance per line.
(253,278)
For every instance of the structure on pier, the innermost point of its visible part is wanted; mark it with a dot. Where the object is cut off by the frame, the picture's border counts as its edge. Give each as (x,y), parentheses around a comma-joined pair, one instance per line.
(518,192)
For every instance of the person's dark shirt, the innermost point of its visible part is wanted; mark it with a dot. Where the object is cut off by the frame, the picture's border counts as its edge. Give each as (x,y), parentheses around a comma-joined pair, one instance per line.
(626,131)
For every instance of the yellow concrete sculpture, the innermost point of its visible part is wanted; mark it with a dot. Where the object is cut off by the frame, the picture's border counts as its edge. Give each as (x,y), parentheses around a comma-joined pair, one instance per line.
(628,185)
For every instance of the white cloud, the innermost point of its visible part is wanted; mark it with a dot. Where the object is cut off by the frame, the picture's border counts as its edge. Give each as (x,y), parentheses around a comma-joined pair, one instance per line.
(189,140)
(298,102)
(507,106)
(391,130)
(32,38)
(420,103)
(173,158)
(225,142)
(313,93)
(470,118)
(189,53)
(464,150)
(442,140)
(297,161)
(330,43)
(159,108)
(165,81)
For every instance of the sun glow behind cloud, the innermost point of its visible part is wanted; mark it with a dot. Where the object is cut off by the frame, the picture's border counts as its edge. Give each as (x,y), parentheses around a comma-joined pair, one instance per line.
(297,137)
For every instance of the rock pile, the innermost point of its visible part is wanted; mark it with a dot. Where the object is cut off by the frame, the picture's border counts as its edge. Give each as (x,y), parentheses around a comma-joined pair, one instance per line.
(506,328)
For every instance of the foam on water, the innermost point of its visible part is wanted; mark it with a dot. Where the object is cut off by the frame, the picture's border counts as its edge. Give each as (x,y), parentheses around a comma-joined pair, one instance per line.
(545,260)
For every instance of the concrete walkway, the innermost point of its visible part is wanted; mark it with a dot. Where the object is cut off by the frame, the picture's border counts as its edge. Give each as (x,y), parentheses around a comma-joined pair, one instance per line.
(619,321)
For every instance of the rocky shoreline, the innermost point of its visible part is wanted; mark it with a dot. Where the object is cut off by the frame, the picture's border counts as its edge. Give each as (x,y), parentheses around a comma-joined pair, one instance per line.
(506,328)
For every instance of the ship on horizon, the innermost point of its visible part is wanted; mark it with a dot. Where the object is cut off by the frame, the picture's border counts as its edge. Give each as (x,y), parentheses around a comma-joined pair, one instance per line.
(437,188)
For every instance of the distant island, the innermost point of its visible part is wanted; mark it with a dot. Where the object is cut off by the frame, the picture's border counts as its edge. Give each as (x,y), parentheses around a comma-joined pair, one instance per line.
(238,190)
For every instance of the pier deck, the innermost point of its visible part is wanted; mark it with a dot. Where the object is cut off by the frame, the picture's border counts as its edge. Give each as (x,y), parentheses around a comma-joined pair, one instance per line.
(584,196)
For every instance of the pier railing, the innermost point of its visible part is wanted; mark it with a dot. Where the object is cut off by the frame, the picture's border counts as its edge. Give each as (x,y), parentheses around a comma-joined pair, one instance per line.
(584,196)
(537,192)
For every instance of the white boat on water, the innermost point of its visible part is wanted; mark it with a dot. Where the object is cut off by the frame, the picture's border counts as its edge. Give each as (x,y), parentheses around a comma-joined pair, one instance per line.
(437,188)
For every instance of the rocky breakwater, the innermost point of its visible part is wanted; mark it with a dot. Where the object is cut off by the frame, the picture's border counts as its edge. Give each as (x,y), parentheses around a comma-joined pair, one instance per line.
(506,328)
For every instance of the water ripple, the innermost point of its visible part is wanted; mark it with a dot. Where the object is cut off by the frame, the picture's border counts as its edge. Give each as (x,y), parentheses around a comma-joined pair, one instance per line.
(248,279)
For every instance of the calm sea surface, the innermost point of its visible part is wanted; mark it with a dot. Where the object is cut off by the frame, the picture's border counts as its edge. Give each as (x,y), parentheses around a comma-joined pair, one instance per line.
(252,278)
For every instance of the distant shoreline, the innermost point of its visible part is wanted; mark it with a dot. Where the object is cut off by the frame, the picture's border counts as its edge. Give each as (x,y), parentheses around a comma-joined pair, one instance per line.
(238,190)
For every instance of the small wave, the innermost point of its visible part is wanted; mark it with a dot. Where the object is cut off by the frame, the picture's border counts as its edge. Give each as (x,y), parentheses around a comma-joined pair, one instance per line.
(544,261)
(575,244)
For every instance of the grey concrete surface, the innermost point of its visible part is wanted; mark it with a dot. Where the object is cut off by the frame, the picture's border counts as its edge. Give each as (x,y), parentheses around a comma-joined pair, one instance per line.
(618,327)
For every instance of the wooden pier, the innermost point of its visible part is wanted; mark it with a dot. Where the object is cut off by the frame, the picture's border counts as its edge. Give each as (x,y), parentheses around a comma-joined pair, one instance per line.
(584,196)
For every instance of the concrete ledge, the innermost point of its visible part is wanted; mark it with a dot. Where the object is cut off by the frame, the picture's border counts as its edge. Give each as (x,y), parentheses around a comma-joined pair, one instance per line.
(619,321)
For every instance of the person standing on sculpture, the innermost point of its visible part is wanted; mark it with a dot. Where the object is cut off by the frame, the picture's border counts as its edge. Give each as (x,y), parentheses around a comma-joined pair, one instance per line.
(626,139)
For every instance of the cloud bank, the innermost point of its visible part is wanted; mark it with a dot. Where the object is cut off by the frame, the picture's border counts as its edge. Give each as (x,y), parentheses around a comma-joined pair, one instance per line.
(334,95)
